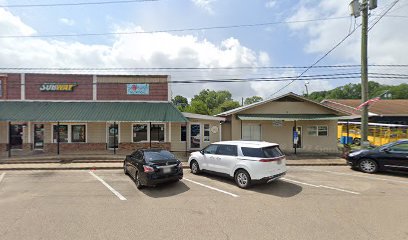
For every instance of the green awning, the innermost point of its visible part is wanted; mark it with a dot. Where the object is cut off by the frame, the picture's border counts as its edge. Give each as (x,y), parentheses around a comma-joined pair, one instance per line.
(90,112)
(289,117)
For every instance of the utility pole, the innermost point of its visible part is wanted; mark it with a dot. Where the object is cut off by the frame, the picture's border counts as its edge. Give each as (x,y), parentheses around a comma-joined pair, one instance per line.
(364,74)
(358,9)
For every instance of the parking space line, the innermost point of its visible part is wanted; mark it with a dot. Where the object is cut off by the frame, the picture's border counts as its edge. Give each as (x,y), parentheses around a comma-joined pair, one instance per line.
(2,176)
(108,186)
(354,175)
(213,188)
(320,186)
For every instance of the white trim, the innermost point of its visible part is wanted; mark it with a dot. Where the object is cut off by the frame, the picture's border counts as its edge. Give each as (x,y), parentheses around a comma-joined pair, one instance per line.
(169,133)
(168,88)
(22,87)
(204,117)
(94,87)
(29,133)
(69,125)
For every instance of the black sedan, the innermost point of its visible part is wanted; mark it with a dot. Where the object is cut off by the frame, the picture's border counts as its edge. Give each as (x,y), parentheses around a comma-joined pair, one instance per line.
(149,167)
(392,156)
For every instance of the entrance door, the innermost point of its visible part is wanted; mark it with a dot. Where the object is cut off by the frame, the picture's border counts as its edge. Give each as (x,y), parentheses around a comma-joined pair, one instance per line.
(195,136)
(297,137)
(113,139)
(16,136)
(38,136)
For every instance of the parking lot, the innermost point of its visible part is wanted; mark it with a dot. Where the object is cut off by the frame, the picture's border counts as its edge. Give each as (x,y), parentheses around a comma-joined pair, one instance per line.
(308,203)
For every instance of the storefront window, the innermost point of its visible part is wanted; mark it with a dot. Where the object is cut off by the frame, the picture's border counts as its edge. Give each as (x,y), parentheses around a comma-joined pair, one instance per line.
(139,132)
(78,133)
(317,130)
(206,132)
(183,133)
(157,132)
(63,133)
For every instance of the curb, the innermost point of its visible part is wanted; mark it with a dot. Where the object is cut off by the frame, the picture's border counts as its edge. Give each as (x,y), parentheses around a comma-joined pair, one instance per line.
(115,168)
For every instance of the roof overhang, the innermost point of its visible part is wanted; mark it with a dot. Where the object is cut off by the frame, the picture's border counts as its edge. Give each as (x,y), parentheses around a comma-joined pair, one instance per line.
(203,117)
(291,117)
(90,111)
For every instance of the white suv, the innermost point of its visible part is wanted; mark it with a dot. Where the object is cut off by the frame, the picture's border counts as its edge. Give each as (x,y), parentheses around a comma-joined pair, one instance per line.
(246,161)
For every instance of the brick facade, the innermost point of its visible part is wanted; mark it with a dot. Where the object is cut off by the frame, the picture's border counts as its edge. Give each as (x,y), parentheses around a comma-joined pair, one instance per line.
(12,87)
(133,146)
(73,147)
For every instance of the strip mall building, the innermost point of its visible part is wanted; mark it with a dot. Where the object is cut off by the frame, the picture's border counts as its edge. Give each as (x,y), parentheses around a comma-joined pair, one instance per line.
(63,113)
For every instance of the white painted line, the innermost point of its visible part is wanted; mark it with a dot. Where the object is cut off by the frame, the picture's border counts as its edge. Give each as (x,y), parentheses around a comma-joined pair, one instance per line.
(213,188)
(355,175)
(2,177)
(320,186)
(108,186)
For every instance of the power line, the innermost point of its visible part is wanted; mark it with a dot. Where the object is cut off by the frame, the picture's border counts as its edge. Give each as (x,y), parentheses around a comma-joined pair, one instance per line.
(170,30)
(320,59)
(194,68)
(74,4)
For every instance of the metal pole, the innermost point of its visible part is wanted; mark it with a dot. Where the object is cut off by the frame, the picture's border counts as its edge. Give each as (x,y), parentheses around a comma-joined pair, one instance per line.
(58,138)
(293,136)
(9,139)
(348,133)
(241,130)
(150,135)
(114,137)
(364,74)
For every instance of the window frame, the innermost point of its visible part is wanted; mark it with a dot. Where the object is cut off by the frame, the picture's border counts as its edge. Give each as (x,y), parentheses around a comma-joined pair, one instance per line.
(147,133)
(164,132)
(84,125)
(69,126)
(209,133)
(317,130)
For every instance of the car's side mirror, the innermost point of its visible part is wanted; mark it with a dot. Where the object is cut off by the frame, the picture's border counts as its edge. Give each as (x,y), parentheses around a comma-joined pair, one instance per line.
(202,152)
(386,150)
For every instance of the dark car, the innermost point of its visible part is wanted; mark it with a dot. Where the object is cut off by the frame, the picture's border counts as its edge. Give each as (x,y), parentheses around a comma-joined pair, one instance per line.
(392,156)
(149,167)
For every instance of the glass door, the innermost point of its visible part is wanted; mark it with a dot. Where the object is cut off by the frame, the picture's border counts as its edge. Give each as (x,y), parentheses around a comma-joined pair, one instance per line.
(16,136)
(195,136)
(113,139)
(38,136)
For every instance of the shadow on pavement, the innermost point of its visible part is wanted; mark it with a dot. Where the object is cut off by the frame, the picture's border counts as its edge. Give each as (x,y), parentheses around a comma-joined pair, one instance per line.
(277,188)
(166,190)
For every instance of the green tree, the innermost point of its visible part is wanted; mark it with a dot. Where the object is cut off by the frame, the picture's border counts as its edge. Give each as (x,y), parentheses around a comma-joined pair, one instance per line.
(211,102)
(180,102)
(252,99)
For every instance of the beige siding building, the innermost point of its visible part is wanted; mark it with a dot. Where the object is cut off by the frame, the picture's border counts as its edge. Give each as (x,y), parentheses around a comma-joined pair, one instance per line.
(297,124)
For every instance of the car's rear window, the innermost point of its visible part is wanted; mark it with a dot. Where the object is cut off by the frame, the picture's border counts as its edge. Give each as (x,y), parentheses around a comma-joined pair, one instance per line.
(267,152)
(151,156)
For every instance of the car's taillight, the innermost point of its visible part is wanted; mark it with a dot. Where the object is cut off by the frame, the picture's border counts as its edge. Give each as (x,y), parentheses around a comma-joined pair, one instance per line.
(270,159)
(148,169)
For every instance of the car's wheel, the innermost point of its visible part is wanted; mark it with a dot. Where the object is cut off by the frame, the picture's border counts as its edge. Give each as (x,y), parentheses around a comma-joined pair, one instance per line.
(368,166)
(195,168)
(242,179)
(125,168)
(137,181)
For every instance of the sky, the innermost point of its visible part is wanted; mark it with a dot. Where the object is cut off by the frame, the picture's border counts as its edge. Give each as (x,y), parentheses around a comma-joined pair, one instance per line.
(278,37)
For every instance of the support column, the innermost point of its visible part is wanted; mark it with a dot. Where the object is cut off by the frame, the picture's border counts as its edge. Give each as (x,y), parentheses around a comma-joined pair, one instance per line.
(116,131)
(9,139)
(58,138)
(293,136)
(150,136)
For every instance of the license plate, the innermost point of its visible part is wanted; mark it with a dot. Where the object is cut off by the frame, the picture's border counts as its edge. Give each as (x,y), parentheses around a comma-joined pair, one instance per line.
(166,170)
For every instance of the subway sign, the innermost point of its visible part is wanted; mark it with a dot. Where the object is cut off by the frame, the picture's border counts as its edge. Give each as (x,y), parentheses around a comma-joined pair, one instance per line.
(58,87)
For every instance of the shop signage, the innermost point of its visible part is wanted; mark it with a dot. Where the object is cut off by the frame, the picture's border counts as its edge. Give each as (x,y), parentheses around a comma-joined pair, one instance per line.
(58,87)
(277,123)
(137,89)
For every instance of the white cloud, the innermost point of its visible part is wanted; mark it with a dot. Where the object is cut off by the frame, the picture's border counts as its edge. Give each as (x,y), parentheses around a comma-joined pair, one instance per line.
(205,4)
(387,40)
(152,50)
(270,4)
(67,21)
